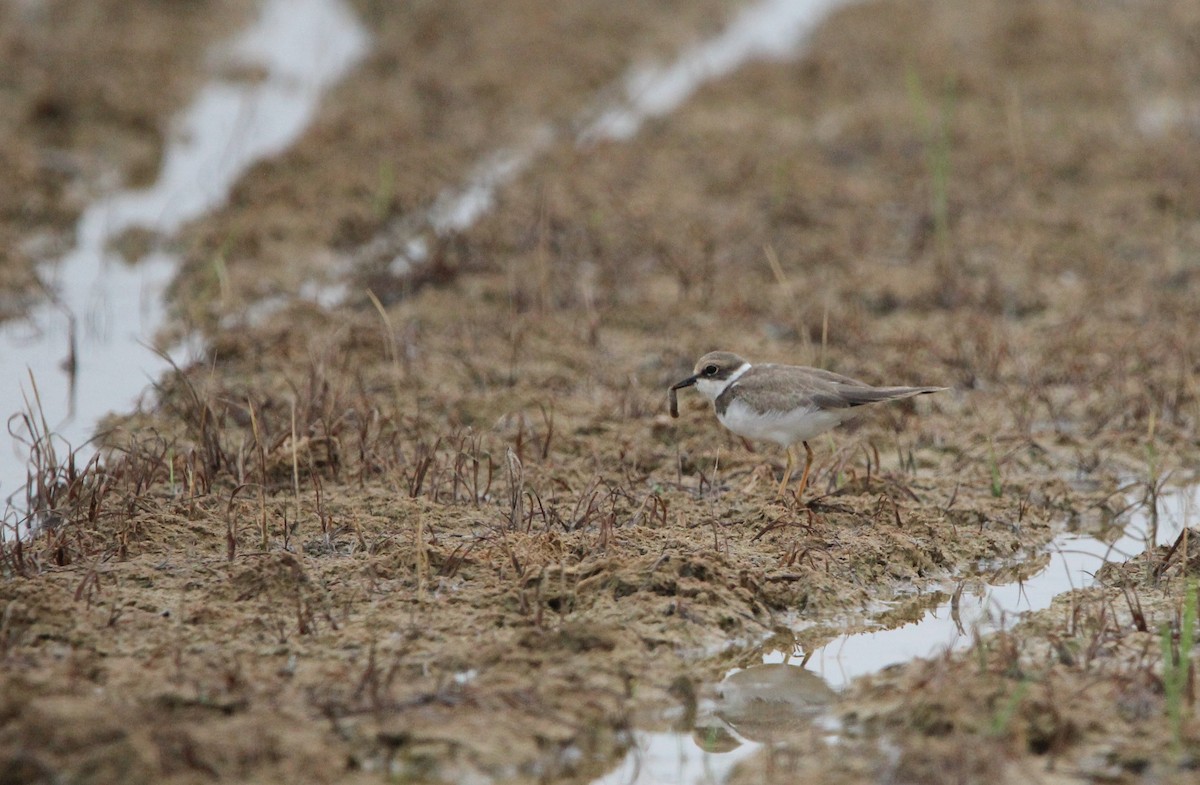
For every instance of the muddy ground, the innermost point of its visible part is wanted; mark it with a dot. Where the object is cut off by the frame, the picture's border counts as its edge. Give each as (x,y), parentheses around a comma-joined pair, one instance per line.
(455,536)
(86,94)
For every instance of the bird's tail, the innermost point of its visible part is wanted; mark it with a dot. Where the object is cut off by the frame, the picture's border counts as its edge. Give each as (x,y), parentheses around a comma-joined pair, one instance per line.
(864,395)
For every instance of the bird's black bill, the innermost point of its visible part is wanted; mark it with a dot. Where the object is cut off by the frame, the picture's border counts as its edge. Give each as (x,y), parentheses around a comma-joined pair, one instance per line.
(688,382)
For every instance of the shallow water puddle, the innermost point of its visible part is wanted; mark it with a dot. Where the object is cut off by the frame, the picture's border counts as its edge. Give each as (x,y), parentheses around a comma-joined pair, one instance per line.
(1074,558)
(766,29)
(105,312)
(750,711)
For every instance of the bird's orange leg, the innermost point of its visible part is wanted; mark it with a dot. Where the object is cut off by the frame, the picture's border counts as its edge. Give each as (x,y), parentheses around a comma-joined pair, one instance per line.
(807,465)
(787,472)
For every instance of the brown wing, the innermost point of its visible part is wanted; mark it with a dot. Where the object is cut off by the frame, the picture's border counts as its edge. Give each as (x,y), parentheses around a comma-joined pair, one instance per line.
(859,396)
(787,386)
(817,373)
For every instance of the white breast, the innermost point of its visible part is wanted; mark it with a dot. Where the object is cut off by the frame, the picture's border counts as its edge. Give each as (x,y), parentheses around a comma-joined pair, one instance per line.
(783,428)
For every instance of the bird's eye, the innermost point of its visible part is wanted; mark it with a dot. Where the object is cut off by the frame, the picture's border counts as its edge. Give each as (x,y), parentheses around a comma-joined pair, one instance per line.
(710,370)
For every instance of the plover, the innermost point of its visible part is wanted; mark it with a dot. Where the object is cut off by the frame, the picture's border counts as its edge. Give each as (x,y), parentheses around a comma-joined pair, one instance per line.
(784,404)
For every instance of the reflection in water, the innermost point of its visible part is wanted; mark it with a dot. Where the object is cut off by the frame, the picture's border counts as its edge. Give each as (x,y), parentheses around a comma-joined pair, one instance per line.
(770,703)
(660,758)
(761,705)
(787,705)
(1070,562)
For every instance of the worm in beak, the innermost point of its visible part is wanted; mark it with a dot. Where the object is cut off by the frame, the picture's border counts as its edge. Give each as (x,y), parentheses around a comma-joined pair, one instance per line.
(673,398)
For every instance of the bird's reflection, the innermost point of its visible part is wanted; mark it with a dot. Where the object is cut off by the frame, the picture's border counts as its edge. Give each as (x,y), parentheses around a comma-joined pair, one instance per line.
(764,703)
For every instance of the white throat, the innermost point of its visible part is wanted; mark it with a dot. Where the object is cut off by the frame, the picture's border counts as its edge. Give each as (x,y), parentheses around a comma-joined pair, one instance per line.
(711,388)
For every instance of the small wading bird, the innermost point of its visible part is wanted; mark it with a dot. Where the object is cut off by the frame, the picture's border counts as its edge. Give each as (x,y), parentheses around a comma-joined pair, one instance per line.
(784,404)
